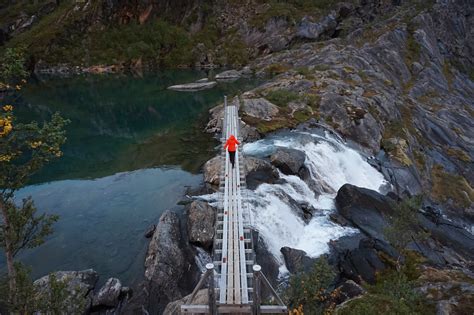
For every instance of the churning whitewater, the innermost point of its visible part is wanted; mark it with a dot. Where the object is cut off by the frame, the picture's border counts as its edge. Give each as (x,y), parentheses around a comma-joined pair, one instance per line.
(331,164)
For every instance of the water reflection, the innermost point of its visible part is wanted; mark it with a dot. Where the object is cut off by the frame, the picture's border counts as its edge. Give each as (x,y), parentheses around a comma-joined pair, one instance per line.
(122,123)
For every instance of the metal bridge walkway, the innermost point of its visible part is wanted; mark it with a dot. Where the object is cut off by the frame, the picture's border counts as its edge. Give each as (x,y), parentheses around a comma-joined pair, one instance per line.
(234,278)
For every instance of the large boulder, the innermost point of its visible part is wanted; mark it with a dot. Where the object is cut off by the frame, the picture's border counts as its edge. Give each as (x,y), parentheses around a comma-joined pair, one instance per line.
(365,209)
(212,169)
(78,284)
(287,160)
(201,220)
(259,108)
(167,264)
(296,260)
(259,171)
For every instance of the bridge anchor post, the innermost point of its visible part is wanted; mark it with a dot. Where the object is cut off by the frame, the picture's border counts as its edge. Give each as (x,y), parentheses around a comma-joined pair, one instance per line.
(210,289)
(256,289)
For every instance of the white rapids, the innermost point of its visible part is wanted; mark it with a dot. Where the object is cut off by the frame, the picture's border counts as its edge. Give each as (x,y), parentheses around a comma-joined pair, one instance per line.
(331,164)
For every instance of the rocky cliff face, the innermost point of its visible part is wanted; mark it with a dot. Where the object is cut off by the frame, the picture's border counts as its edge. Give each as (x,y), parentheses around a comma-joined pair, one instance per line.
(399,83)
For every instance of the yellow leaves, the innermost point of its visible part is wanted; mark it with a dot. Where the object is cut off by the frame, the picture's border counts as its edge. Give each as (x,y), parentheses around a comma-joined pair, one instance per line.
(35,144)
(297,311)
(23,81)
(5,158)
(18,87)
(7,108)
(5,126)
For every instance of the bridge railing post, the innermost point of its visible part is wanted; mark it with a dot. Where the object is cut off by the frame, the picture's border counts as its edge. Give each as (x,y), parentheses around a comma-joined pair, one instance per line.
(225,100)
(211,290)
(256,289)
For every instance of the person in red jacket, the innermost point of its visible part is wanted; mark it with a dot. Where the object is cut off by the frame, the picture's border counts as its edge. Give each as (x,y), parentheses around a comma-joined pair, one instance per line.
(230,146)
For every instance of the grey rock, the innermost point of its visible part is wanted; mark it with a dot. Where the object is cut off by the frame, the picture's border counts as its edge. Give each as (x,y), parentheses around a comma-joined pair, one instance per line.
(79,284)
(364,208)
(260,108)
(296,260)
(212,169)
(174,308)
(109,294)
(200,222)
(288,160)
(191,87)
(310,30)
(149,232)
(165,262)
(230,74)
(259,171)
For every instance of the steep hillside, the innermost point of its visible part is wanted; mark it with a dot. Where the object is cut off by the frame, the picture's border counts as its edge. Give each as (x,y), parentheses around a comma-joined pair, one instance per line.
(162,33)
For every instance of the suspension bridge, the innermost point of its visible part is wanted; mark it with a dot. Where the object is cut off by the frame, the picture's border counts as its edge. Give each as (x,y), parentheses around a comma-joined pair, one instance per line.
(234,279)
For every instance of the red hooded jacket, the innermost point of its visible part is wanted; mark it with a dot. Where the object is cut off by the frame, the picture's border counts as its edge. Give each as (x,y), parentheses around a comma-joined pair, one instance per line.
(230,143)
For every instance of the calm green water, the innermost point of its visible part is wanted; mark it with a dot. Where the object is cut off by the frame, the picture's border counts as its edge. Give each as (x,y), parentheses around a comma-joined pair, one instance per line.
(133,147)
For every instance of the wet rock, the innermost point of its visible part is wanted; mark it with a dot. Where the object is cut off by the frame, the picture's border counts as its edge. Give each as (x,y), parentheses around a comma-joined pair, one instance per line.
(259,171)
(289,161)
(79,285)
(200,221)
(149,232)
(174,308)
(212,169)
(191,87)
(259,108)
(296,260)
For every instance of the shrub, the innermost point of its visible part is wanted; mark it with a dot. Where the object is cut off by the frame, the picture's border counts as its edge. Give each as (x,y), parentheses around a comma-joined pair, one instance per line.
(311,290)
(282,97)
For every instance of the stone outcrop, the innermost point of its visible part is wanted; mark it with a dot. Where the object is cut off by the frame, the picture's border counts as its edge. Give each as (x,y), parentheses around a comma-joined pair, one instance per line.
(201,218)
(212,169)
(110,294)
(259,171)
(296,260)
(288,160)
(259,108)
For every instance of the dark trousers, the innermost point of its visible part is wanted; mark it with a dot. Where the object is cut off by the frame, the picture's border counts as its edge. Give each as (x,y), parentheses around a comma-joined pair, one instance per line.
(232,158)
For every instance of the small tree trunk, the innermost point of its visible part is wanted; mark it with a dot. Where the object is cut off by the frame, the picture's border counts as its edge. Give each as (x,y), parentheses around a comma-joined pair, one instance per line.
(8,253)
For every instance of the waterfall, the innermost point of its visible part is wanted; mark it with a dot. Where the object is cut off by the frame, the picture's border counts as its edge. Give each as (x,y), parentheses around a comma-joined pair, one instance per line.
(331,164)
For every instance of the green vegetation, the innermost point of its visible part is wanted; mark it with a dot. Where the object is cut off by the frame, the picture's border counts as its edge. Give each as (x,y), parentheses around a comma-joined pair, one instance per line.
(448,186)
(282,97)
(393,294)
(412,53)
(157,41)
(24,149)
(404,225)
(54,300)
(310,291)
(459,154)
(276,68)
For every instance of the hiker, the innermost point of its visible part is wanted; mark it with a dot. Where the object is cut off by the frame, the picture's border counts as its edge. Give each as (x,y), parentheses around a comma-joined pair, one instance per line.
(230,146)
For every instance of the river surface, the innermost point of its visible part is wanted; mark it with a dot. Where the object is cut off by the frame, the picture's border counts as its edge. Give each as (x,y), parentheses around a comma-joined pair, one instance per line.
(133,149)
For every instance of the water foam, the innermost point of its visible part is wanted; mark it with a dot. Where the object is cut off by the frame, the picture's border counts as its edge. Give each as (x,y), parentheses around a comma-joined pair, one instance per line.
(331,163)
